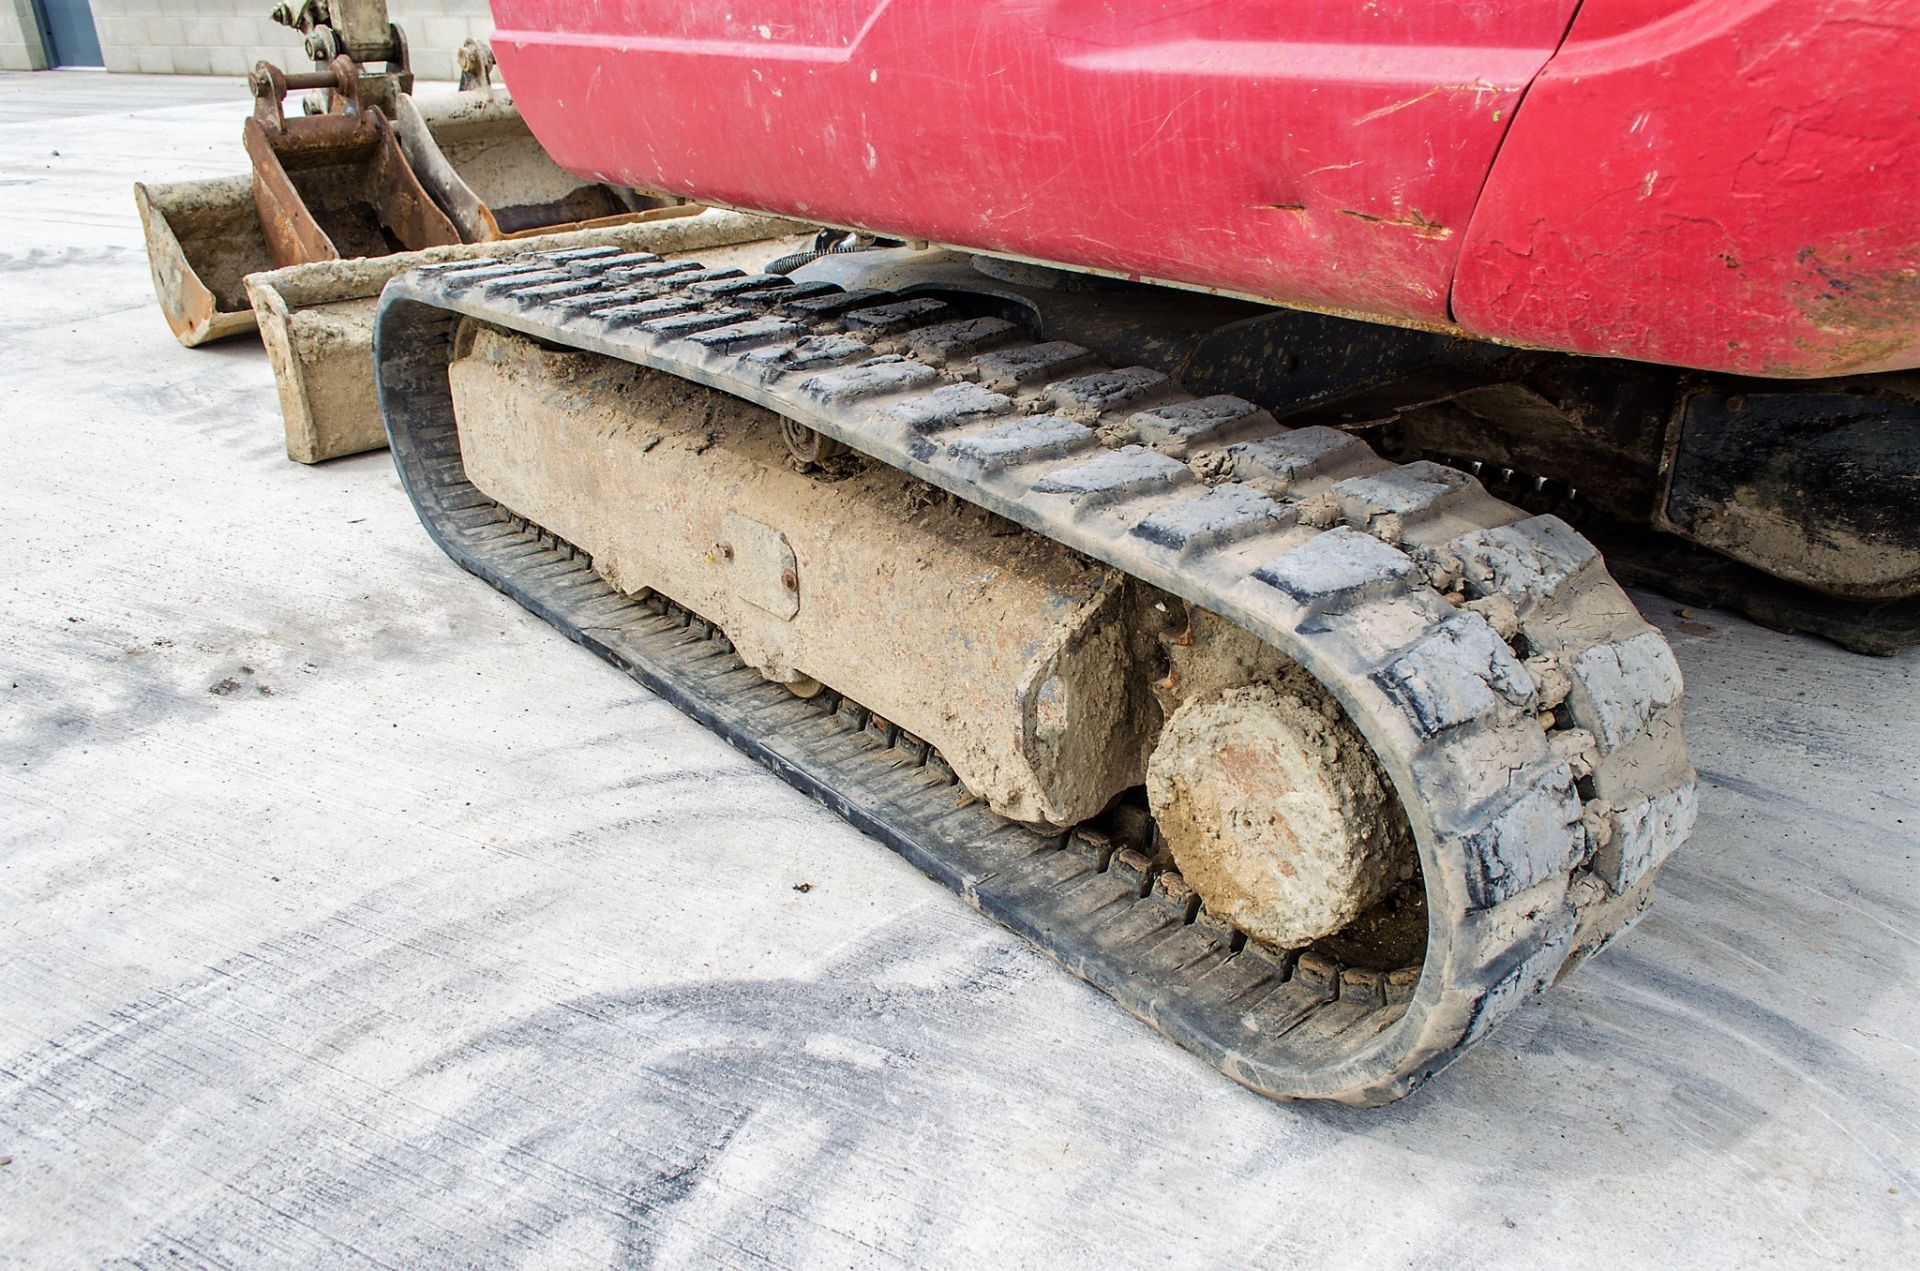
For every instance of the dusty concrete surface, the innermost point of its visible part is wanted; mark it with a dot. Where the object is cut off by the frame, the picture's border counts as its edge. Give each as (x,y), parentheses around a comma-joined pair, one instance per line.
(350,916)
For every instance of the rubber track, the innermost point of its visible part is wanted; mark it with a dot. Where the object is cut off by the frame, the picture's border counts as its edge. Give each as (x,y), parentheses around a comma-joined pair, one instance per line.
(1527,716)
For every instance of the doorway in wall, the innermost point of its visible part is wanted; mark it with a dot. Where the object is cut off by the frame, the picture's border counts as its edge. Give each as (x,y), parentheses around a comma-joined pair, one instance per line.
(66,29)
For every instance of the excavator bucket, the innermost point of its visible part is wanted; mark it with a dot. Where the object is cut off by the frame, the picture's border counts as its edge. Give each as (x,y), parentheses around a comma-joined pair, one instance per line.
(322,187)
(476,156)
(334,185)
(352,182)
(203,239)
(316,320)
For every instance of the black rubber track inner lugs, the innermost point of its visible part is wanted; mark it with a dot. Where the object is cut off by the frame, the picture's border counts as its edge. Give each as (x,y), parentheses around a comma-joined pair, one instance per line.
(1253,1015)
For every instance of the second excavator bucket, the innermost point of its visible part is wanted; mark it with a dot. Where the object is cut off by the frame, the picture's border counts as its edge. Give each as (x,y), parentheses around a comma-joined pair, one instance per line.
(482,164)
(477,157)
(334,185)
(203,239)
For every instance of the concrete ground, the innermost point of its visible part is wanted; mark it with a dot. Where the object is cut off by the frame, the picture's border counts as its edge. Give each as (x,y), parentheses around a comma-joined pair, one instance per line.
(349,915)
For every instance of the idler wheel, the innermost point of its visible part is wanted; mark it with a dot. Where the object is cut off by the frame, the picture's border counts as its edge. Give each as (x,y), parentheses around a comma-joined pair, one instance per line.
(1276,812)
(807,446)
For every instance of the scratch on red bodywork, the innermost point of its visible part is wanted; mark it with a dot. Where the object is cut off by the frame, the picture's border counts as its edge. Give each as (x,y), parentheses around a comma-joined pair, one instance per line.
(1478,86)
(1419,224)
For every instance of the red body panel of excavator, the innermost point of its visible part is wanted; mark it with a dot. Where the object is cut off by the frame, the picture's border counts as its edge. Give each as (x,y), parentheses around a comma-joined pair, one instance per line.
(1716,185)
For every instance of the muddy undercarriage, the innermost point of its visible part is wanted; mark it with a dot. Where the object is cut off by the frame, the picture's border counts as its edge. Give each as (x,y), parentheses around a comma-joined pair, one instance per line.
(1317,762)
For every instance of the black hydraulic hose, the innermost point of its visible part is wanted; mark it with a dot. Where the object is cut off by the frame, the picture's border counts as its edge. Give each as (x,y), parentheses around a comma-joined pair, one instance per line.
(826,243)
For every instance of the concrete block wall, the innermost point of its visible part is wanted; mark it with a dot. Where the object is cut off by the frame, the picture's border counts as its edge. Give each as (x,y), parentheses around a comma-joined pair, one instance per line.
(226,37)
(19,38)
